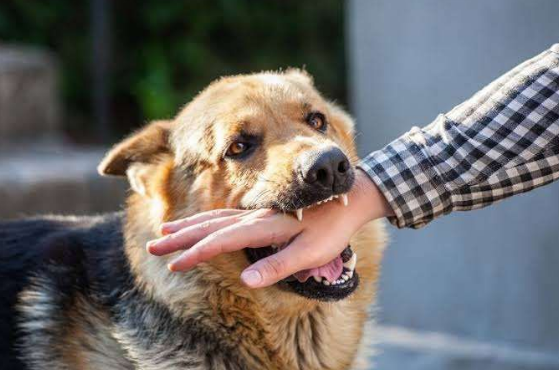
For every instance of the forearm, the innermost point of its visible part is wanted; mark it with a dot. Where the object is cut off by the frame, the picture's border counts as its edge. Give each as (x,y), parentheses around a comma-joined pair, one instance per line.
(501,142)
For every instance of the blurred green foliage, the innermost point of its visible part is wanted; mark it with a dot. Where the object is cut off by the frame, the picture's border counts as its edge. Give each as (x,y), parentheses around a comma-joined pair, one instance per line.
(164,52)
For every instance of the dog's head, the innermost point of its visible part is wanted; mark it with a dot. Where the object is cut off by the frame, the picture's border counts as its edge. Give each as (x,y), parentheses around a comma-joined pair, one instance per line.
(266,140)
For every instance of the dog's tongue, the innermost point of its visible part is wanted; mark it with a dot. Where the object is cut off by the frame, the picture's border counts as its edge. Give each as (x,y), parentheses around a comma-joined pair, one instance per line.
(331,271)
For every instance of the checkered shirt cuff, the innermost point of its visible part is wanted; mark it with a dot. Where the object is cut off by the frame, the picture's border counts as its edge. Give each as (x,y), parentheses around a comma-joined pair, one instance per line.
(501,142)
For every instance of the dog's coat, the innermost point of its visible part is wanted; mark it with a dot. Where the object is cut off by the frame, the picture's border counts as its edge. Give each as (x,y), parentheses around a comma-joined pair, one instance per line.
(82,292)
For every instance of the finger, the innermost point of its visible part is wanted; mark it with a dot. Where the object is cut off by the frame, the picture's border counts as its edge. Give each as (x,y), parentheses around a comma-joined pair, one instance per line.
(188,236)
(174,226)
(253,233)
(296,257)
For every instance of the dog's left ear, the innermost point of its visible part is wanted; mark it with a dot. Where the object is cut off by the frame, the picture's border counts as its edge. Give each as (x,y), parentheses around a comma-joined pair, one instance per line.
(134,156)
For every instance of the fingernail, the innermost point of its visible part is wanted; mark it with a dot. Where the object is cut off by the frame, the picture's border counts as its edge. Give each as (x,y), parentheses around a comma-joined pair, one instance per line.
(166,229)
(173,262)
(251,278)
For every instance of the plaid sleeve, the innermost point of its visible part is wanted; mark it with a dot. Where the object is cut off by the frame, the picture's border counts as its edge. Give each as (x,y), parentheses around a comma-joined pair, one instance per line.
(502,141)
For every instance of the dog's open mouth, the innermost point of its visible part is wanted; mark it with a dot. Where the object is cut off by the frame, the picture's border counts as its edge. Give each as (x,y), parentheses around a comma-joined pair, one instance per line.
(333,281)
(341,197)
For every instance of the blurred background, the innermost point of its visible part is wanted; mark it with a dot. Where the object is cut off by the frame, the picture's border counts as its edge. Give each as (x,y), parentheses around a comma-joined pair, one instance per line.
(474,290)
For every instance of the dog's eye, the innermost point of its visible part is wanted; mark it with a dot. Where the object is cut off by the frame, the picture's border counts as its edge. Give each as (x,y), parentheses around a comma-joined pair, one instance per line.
(237,148)
(316,120)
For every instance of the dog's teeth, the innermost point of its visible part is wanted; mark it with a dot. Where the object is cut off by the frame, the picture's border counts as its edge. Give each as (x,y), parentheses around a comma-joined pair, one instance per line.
(318,279)
(300,214)
(350,273)
(352,261)
(344,199)
(325,282)
(345,277)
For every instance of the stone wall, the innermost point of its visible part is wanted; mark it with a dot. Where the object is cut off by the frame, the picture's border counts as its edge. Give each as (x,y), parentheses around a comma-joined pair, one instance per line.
(29,104)
(39,173)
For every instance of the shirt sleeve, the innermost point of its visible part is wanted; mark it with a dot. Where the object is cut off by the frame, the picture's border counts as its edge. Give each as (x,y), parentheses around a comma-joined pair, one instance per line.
(502,141)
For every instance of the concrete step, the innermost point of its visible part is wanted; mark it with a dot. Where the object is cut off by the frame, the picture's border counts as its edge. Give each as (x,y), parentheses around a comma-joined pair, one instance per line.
(403,348)
(55,179)
(29,101)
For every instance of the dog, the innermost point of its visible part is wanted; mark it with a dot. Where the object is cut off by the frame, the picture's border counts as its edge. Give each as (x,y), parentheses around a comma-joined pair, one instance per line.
(83,293)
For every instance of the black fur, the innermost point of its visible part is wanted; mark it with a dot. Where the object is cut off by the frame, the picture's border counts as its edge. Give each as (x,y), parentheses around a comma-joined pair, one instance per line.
(42,247)
(85,256)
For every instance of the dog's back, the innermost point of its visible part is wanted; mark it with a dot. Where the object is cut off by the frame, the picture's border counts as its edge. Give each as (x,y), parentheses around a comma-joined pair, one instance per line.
(36,248)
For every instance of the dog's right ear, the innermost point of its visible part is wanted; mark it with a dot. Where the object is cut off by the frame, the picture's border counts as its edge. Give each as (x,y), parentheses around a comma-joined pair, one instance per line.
(133,156)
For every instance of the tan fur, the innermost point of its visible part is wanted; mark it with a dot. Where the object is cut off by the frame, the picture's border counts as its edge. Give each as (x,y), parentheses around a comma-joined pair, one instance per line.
(183,173)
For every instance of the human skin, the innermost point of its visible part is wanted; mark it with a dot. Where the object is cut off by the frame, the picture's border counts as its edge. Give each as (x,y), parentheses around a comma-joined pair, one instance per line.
(320,237)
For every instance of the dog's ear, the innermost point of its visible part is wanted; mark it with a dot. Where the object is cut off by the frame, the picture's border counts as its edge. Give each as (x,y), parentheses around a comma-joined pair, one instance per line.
(133,156)
(299,75)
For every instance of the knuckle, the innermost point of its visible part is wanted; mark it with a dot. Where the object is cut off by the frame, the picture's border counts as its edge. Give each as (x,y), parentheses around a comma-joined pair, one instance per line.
(275,237)
(274,267)
(204,225)
(210,249)
(251,222)
(215,213)
(217,235)
(262,214)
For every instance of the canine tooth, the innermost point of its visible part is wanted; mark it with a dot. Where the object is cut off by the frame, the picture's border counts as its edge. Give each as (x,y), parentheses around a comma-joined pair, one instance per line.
(325,282)
(318,279)
(300,214)
(344,199)
(345,277)
(350,273)
(352,261)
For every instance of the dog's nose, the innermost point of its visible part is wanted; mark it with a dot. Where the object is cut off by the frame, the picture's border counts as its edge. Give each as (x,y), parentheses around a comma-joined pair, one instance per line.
(328,168)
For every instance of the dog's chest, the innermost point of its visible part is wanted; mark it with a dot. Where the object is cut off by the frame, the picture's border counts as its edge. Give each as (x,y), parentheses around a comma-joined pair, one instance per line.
(325,339)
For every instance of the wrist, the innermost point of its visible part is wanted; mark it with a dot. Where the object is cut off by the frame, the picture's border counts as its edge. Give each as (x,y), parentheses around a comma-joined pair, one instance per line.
(369,201)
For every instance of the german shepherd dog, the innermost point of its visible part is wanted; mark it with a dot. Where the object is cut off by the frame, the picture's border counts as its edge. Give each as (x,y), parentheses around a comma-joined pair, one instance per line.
(83,293)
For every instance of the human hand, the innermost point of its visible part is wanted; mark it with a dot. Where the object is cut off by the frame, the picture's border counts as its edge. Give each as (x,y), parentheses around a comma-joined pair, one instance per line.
(321,236)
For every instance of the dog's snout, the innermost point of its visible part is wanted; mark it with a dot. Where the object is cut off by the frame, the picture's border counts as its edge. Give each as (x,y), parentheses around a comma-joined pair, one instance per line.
(328,168)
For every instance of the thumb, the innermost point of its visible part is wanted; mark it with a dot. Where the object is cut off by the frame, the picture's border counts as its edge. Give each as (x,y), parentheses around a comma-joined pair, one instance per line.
(270,270)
